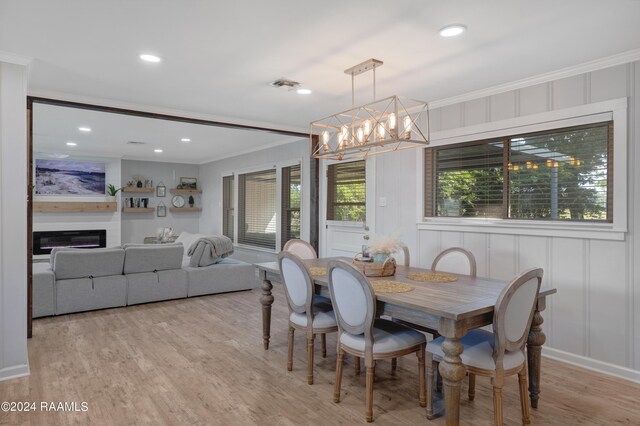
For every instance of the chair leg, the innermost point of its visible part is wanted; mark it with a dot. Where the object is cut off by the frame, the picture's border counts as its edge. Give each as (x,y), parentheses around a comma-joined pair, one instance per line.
(369,399)
(310,359)
(394,365)
(431,367)
(421,368)
(290,348)
(498,382)
(339,363)
(472,386)
(323,340)
(524,400)
(357,366)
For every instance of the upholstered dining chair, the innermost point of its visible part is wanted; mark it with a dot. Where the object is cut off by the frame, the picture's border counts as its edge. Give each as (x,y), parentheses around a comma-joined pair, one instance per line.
(300,248)
(363,336)
(307,312)
(455,260)
(501,353)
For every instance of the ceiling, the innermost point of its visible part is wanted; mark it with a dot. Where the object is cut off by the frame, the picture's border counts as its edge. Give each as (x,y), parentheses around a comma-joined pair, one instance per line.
(218,57)
(54,126)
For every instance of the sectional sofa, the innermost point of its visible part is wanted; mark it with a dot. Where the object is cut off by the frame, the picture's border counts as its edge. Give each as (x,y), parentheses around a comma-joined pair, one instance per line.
(78,280)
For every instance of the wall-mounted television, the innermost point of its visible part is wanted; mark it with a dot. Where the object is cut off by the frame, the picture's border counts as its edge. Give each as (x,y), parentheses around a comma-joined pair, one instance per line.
(60,177)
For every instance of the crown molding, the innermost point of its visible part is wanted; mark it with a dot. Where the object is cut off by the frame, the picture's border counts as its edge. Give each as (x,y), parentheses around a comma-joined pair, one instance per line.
(598,64)
(112,103)
(250,150)
(15,59)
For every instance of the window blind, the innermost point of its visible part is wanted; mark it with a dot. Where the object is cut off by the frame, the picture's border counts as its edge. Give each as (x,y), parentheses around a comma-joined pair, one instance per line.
(469,180)
(560,175)
(290,209)
(346,191)
(257,209)
(227,206)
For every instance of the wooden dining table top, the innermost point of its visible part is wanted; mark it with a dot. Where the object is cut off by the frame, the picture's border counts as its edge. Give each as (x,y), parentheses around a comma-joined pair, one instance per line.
(464,298)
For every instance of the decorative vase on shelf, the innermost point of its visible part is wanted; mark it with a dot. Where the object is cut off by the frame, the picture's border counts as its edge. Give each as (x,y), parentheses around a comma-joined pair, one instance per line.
(139,184)
(191,201)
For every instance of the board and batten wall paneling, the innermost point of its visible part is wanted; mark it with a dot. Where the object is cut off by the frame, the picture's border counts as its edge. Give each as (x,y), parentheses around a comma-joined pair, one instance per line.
(593,319)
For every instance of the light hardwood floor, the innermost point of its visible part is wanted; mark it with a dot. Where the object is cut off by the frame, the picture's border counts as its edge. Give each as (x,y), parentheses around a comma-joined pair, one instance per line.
(201,361)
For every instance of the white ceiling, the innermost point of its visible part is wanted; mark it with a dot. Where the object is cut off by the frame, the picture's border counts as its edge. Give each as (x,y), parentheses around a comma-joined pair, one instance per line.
(218,57)
(54,126)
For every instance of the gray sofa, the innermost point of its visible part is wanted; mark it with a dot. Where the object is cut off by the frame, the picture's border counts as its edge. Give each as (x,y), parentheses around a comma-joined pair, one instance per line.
(79,280)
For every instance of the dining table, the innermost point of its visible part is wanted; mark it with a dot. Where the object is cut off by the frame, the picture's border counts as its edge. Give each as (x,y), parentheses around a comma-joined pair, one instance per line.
(452,308)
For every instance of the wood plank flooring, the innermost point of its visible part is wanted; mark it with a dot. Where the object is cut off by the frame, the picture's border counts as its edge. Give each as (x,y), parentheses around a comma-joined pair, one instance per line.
(200,361)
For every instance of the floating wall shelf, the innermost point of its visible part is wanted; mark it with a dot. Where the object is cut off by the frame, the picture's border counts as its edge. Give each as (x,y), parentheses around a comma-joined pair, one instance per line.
(135,189)
(74,206)
(176,191)
(138,209)
(184,209)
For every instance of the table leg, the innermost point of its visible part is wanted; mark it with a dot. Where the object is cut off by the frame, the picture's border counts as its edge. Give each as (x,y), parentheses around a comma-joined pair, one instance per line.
(266,300)
(534,348)
(453,373)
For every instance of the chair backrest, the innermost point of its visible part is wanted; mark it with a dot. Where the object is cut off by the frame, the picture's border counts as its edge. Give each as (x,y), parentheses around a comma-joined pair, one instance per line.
(514,311)
(297,282)
(455,260)
(353,300)
(405,254)
(300,248)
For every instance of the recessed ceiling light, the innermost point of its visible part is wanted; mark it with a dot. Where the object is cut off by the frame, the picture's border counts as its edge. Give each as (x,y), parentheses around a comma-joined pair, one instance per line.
(452,30)
(71,144)
(157,151)
(185,140)
(303,91)
(84,129)
(149,58)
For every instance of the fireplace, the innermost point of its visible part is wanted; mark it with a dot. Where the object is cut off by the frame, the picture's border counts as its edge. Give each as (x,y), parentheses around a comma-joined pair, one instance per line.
(44,241)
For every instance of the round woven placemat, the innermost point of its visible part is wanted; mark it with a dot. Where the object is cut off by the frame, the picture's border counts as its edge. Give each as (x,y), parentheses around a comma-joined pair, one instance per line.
(432,277)
(318,272)
(388,286)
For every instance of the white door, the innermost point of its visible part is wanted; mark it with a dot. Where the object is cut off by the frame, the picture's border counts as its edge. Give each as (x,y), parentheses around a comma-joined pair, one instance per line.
(346,237)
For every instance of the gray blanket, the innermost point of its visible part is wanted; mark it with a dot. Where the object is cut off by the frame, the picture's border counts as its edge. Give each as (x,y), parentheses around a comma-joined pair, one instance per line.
(209,250)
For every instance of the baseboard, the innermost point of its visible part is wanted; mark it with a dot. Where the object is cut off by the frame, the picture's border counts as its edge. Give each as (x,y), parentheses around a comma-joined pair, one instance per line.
(14,372)
(592,364)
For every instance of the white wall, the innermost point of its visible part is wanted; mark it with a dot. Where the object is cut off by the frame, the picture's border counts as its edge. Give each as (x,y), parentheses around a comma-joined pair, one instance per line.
(13,221)
(594,319)
(211,176)
(75,221)
(137,226)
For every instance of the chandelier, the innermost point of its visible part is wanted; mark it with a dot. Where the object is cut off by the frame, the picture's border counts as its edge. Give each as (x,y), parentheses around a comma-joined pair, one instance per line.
(389,124)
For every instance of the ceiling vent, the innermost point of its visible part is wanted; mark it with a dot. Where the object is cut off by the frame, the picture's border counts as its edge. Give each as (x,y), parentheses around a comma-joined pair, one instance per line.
(136,143)
(283,83)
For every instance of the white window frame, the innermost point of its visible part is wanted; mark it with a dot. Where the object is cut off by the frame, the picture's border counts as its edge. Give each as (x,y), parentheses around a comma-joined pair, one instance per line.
(615,110)
(278,166)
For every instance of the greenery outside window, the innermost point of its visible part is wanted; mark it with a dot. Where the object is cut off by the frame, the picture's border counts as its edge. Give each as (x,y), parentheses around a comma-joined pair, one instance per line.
(346,191)
(290,211)
(561,174)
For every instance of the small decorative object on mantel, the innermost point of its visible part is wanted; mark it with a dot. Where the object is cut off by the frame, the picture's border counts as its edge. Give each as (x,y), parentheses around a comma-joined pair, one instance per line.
(161,210)
(191,201)
(112,191)
(138,179)
(161,190)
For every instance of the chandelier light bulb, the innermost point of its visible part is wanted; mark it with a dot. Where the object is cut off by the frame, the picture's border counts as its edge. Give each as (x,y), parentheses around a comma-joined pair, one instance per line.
(325,140)
(381,131)
(367,129)
(360,136)
(392,121)
(407,127)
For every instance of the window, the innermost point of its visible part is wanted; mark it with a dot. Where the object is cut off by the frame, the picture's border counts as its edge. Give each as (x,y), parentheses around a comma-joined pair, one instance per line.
(290,212)
(562,174)
(257,209)
(227,206)
(346,192)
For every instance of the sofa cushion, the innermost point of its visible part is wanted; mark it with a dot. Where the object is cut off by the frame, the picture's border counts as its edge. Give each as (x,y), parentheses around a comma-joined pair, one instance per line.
(152,257)
(88,294)
(154,286)
(43,290)
(82,263)
(227,275)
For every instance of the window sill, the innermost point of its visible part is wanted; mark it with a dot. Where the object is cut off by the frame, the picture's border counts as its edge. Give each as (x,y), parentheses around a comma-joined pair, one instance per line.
(510,227)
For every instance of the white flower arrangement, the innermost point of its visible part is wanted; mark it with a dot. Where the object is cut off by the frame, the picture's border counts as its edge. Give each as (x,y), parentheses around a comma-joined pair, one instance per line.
(385,245)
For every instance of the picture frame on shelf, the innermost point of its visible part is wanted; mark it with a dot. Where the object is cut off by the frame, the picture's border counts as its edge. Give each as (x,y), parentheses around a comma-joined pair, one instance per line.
(161,210)
(189,183)
(161,190)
